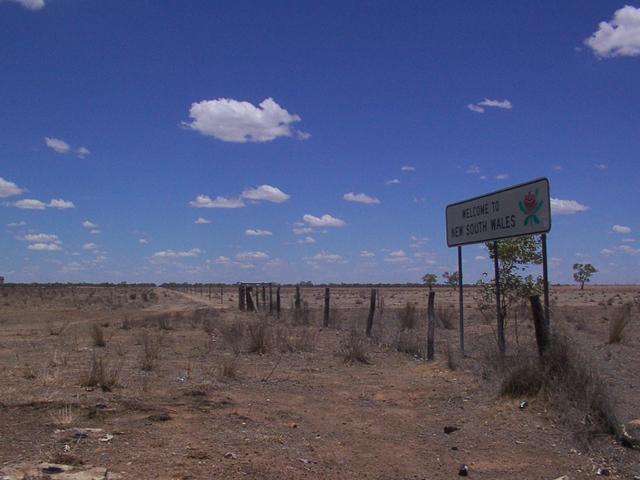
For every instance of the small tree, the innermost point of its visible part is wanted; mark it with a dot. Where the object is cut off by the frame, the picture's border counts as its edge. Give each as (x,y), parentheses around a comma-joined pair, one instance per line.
(430,279)
(514,255)
(582,273)
(451,279)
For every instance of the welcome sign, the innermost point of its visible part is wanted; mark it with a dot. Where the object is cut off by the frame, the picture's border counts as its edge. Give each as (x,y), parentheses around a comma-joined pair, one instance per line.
(523,209)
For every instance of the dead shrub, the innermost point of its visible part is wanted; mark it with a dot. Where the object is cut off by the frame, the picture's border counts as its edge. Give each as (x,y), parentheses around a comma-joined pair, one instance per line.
(289,340)
(100,375)
(150,351)
(62,417)
(97,336)
(407,342)
(166,320)
(450,356)
(233,335)
(407,318)
(355,348)
(447,316)
(568,381)
(618,324)
(302,315)
(229,368)
(259,337)
(336,318)
(126,324)
(57,329)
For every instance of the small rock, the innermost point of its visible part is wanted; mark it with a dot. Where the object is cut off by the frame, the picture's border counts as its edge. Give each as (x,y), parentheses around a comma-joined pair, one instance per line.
(523,404)
(450,429)
(602,472)
(106,438)
(563,477)
(230,455)
(463,471)
(160,417)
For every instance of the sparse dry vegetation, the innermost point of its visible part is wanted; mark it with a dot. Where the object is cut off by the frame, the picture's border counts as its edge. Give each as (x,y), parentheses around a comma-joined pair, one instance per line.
(355,347)
(619,323)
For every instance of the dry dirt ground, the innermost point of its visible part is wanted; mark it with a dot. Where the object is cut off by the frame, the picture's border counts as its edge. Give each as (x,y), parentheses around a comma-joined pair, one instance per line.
(182,397)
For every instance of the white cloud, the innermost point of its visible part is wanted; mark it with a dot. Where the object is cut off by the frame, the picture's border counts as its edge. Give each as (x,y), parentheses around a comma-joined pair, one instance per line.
(21,223)
(307,240)
(89,246)
(607,251)
(475,108)
(95,231)
(237,121)
(256,232)
(408,168)
(360,198)
(89,225)
(480,257)
(628,240)
(204,201)
(143,241)
(502,176)
(252,256)
(398,253)
(367,254)
(30,4)
(397,260)
(56,144)
(302,230)
(30,204)
(194,252)
(222,260)
(600,166)
(479,107)
(266,193)
(61,204)
(628,249)
(472,169)
(8,188)
(506,104)
(566,207)
(621,229)
(44,247)
(325,220)
(393,181)
(202,221)
(618,37)
(82,152)
(325,257)
(41,238)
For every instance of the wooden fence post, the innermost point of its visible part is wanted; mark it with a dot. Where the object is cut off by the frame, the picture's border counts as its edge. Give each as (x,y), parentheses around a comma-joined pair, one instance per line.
(540,324)
(241,298)
(257,302)
(278,301)
(264,296)
(297,302)
(327,299)
(250,305)
(372,311)
(270,299)
(431,324)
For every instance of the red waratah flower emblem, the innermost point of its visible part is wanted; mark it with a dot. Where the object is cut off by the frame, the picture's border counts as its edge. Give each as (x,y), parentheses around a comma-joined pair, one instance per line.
(530,202)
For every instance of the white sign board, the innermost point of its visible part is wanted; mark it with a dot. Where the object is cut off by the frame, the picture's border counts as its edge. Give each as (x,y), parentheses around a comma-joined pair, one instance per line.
(523,209)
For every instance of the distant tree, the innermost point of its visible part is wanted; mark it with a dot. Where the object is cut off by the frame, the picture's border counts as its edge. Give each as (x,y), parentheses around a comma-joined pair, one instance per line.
(451,279)
(430,279)
(582,273)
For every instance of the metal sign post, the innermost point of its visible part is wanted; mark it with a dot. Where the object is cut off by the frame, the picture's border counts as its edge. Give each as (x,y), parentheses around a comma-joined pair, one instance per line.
(520,210)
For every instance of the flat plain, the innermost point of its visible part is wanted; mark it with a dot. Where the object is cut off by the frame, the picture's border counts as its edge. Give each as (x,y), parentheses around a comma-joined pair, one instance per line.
(152,383)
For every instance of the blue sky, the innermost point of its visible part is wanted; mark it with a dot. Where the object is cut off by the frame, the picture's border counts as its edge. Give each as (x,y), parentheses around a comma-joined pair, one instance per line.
(312,140)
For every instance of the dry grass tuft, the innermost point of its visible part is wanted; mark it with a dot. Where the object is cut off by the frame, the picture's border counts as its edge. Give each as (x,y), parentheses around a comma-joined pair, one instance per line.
(450,356)
(233,334)
(260,334)
(447,316)
(407,341)
(150,351)
(63,417)
(355,348)
(100,375)
(407,317)
(229,368)
(619,324)
(289,340)
(97,336)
